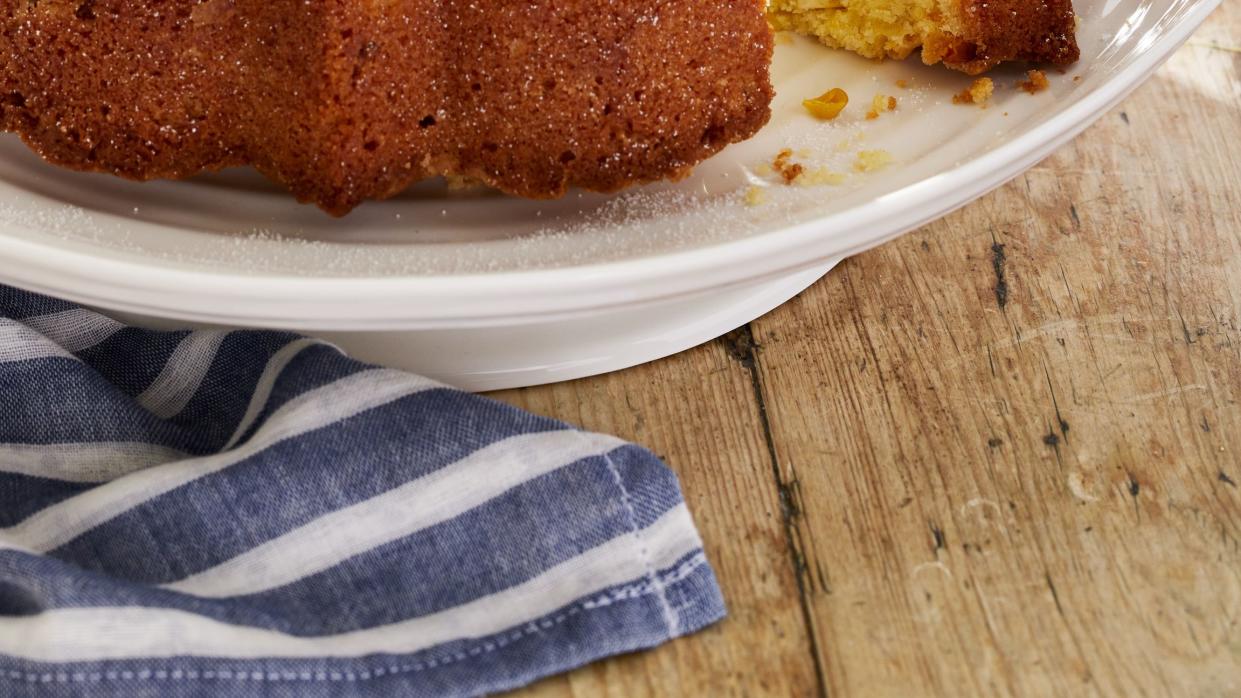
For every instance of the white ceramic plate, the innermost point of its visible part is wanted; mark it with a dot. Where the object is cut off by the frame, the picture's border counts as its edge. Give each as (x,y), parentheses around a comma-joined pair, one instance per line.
(454,272)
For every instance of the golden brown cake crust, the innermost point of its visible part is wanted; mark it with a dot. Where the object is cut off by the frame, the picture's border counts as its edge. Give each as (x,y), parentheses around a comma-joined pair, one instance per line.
(347,100)
(1005,30)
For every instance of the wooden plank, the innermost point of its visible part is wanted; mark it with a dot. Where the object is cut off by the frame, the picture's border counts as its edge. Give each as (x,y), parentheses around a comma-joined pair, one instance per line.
(1013,438)
(698,411)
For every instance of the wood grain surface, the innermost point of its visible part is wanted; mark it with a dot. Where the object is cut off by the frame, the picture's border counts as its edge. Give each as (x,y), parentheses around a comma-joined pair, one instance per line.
(999,456)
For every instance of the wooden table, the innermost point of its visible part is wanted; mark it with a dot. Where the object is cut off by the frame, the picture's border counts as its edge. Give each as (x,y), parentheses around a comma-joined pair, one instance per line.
(999,456)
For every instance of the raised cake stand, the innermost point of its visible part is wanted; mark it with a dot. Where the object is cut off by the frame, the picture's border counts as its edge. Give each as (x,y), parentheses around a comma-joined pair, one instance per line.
(535,353)
(493,358)
(548,351)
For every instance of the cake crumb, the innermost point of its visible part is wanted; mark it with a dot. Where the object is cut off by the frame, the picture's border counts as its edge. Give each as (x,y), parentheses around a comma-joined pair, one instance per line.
(879,105)
(1077,78)
(1036,82)
(902,83)
(788,171)
(872,160)
(820,176)
(847,143)
(755,196)
(978,93)
(828,105)
(792,173)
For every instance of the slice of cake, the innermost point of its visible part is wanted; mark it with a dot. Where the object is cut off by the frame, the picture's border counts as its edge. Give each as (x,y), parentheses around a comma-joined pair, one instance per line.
(969,35)
(349,100)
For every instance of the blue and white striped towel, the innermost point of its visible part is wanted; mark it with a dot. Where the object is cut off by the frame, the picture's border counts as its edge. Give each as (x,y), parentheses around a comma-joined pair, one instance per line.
(252,513)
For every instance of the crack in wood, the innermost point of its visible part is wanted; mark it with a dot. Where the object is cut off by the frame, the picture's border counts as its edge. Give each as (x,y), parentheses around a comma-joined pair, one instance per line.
(1189,339)
(742,347)
(941,541)
(1055,596)
(1060,420)
(998,261)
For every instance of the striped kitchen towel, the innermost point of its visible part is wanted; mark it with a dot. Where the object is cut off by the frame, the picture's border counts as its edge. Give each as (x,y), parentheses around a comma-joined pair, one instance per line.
(252,513)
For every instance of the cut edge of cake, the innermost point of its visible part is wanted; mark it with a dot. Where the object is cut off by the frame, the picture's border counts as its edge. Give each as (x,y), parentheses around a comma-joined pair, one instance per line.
(971,36)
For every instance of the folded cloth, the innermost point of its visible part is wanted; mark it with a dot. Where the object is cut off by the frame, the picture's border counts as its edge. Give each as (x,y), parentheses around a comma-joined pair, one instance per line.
(253,513)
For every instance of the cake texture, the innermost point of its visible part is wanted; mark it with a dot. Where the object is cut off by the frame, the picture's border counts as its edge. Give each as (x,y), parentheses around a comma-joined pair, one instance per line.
(347,100)
(972,36)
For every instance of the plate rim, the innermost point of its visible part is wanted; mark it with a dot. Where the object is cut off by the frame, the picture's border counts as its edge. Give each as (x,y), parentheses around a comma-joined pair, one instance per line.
(482,299)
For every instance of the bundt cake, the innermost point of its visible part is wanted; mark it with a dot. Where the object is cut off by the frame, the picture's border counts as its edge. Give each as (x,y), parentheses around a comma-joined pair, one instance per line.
(347,100)
(968,35)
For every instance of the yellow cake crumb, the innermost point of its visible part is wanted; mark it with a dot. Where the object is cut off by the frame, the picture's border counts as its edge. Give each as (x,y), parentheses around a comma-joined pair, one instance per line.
(1035,83)
(820,176)
(902,83)
(755,196)
(853,139)
(879,105)
(872,160)
(978,93)
(828,105)
(793,173)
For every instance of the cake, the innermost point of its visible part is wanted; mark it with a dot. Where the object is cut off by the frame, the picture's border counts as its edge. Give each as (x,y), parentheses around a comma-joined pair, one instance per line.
(346,100)
(968,35)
